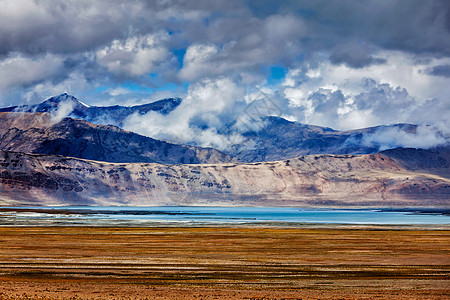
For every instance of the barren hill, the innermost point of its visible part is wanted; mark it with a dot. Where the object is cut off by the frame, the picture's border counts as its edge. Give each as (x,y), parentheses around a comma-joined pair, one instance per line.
(374,180)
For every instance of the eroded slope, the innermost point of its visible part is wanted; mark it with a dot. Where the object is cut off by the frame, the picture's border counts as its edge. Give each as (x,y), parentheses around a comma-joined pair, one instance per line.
(316,180)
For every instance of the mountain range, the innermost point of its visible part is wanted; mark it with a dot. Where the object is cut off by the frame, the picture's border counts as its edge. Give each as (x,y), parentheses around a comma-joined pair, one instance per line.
(282,139)
(277,139)
(37,133)
(57,161)
(114,115)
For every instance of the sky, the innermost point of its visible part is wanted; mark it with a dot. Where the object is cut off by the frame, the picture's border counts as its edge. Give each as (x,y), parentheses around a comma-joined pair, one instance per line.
(342,64)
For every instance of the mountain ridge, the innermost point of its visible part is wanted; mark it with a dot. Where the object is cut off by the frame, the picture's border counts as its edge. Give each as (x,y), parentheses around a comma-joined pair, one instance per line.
(277,139)
(37,134)
(282,139)
(103,115)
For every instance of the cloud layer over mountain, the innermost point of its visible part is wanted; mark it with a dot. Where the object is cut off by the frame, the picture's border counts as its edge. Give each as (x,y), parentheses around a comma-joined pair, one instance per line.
(343,64)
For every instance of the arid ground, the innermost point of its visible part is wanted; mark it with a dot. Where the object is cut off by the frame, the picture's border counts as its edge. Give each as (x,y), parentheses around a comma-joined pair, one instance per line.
(223,263)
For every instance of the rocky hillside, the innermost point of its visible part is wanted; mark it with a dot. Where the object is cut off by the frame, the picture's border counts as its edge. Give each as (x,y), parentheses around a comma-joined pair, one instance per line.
(433,161)
(375,180)
(37,133)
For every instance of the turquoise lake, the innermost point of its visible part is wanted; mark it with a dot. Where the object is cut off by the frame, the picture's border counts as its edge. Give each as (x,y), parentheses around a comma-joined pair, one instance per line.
(192,216)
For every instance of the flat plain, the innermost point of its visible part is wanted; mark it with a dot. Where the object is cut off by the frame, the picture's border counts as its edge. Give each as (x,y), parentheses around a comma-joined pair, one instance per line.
(223,263)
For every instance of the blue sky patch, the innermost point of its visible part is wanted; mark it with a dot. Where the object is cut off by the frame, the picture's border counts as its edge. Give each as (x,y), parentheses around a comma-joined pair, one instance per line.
(276,75)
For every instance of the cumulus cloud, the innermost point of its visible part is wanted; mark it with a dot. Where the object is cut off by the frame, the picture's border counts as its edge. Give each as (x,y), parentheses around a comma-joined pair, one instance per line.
(386,103)
(197,61)
(376,104)
(207,107)
(211,115)
(348,64)
(135,56)
(397,91)
(215,113)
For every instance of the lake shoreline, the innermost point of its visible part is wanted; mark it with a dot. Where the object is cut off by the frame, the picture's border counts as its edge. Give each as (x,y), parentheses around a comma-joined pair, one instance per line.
(187,216)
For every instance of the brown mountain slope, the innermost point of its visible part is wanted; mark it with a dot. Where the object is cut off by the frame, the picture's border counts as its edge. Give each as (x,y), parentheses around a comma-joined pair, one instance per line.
(433,161)
(37,133)
(374,180)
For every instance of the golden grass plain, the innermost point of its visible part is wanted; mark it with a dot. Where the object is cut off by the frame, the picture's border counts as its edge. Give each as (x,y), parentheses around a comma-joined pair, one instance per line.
(223,263)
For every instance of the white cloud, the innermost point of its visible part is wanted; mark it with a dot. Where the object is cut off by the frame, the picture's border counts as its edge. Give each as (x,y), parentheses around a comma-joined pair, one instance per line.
(197,61)
(207,107)
(398,91)
(135,56)
(118,91)
(389,138)
(64,109)
(401,69)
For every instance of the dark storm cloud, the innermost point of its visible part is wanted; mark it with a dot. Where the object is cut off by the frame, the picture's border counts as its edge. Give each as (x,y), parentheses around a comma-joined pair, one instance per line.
(29,26)
(442,70)
(60,26)
(71,26)
(354,55)
(411,25)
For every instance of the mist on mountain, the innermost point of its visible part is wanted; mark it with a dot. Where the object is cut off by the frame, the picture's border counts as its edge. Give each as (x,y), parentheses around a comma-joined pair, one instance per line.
(252,136)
